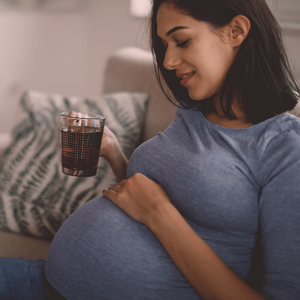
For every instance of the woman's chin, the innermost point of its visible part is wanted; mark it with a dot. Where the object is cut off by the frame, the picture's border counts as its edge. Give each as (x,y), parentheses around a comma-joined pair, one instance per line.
(199,96)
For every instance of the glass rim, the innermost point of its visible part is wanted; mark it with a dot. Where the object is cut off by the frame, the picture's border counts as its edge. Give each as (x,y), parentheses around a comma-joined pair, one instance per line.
(87,116)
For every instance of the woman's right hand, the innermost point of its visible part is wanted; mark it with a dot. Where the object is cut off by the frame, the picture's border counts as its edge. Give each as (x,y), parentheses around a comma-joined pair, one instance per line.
(109,144)
(112,152)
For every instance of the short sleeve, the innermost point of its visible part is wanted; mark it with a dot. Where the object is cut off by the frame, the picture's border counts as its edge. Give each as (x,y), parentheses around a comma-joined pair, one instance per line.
(279,216)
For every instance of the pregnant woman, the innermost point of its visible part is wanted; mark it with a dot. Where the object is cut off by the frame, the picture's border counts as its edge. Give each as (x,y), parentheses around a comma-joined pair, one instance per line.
(209,209)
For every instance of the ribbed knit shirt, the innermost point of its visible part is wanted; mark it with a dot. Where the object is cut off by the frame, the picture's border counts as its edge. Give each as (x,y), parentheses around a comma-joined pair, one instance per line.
(239,189)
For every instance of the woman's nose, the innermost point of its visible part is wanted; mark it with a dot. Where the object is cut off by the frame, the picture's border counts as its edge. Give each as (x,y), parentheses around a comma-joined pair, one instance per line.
(172,60)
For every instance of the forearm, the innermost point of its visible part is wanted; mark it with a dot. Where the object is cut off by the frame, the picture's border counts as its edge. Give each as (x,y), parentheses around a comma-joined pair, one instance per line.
(118,163)
(200,265)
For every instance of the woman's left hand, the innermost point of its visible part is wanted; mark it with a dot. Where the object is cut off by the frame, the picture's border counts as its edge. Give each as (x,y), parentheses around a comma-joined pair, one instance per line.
(138,196)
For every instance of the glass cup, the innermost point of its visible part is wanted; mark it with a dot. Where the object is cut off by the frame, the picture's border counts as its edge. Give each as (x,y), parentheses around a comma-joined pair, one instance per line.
(80,138)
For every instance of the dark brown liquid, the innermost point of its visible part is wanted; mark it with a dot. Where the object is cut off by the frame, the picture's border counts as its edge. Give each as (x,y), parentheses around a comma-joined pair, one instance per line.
(80,150)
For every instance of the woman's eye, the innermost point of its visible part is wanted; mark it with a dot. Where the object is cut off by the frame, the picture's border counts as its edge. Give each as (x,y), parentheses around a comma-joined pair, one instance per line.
(183,44)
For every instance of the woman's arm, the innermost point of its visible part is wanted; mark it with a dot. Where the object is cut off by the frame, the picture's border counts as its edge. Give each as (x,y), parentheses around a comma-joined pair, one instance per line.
(279,215)
(111,151)
(147,202)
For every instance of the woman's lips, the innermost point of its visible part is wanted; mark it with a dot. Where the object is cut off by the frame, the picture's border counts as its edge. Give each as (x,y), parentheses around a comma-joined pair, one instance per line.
(186,78)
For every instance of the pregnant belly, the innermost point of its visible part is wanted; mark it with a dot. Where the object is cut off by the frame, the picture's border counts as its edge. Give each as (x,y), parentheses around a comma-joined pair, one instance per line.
(101,253)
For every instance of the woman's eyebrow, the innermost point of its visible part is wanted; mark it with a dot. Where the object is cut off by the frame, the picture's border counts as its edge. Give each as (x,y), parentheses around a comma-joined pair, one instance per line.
(175,29)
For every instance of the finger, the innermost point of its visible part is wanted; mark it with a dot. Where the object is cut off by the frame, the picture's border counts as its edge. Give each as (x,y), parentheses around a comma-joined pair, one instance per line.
(115,188)
(122,182)
(72,113)
(110,195)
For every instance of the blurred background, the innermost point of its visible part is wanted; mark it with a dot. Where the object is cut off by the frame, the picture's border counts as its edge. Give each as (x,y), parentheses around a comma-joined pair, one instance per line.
(61,46)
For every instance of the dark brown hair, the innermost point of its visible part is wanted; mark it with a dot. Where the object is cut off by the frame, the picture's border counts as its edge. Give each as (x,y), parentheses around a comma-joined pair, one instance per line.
(260,74)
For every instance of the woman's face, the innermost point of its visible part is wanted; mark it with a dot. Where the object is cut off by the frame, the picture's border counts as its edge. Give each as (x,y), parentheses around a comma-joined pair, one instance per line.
(199,56)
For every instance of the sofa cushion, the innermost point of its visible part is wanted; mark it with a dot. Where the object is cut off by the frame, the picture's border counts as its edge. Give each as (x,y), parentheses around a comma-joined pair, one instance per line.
(35,196)
(132,69)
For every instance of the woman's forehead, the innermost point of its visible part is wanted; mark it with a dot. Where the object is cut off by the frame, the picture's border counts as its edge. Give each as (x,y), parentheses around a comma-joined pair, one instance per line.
(169,17)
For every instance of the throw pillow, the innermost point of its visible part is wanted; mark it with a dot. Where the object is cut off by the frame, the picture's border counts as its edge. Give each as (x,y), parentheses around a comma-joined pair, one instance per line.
(35,196)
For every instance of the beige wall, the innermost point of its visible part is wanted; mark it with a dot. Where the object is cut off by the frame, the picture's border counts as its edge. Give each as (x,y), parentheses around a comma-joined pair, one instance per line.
(111,27)
(66,52)
(60,52)
(40,51)
(291,38)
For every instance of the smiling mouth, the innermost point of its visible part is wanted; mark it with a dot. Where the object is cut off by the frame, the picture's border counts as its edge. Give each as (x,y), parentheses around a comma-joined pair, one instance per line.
(186,76)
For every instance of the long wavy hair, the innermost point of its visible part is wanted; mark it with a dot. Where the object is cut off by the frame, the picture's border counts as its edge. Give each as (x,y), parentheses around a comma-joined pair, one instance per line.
(260,76)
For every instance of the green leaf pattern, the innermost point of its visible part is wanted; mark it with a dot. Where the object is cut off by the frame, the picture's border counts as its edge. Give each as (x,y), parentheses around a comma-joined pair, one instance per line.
(35,196)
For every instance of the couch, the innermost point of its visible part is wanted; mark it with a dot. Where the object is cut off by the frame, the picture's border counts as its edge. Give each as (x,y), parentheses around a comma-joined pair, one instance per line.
(129,69)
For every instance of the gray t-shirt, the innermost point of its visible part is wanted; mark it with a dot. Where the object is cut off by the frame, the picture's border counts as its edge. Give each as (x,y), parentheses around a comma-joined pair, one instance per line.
(239,189)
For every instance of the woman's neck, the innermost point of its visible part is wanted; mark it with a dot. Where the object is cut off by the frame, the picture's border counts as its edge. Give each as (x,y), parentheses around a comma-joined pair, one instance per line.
(218,117)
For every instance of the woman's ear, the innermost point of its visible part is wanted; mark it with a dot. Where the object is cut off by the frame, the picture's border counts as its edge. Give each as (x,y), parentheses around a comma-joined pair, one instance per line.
(237,30)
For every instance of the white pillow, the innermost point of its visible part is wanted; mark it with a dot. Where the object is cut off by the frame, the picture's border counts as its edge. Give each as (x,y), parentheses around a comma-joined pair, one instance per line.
(35,196)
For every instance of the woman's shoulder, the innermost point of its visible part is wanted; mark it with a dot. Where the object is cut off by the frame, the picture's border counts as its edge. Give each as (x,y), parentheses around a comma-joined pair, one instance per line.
(279,146)
(282,127)
(286,121)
